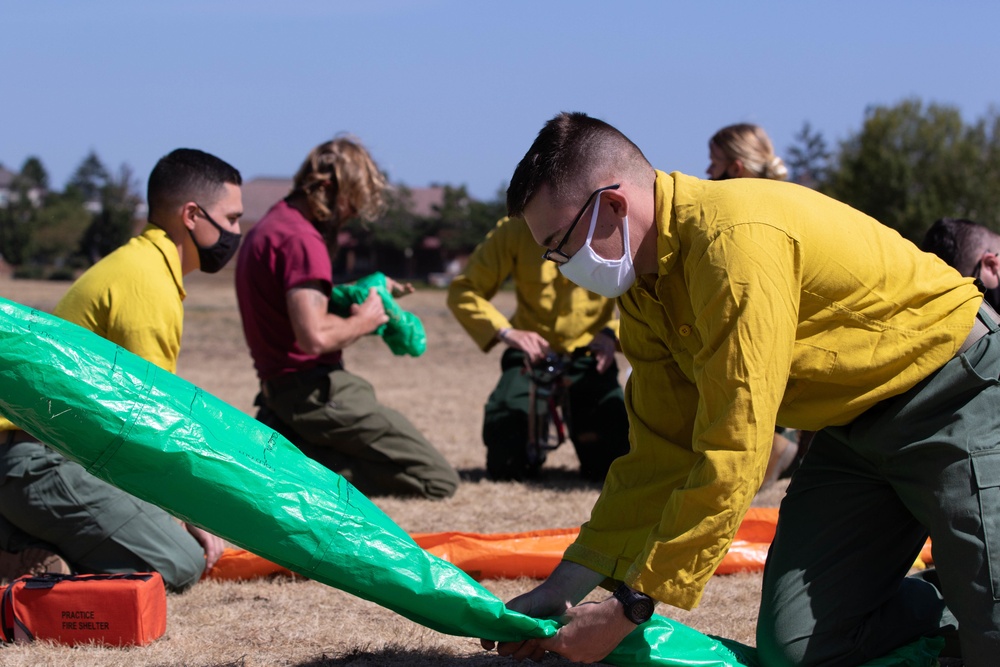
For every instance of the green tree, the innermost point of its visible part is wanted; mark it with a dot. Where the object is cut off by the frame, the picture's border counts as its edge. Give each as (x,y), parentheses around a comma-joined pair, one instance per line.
(88,180)
(32,176)
(113,224)
(397,228)
(56,230)
(451,218)
(387,243)
(910,165)
(15,231)
(410,244)
(19,220)
(461,222)
(483,216)
(51,234)
(808,157)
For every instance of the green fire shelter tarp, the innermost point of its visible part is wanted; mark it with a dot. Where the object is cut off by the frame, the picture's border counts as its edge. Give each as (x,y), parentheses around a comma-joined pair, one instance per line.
(166,441)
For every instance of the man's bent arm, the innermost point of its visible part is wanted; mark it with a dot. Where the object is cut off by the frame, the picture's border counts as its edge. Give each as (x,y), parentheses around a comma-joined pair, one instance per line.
(470,292)
(747,317)
(317,331)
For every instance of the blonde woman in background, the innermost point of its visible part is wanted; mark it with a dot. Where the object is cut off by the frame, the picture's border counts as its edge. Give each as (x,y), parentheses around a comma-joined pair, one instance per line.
(745,151)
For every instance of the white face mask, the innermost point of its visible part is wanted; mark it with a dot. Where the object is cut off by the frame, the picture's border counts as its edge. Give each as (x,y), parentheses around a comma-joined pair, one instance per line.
(608,277)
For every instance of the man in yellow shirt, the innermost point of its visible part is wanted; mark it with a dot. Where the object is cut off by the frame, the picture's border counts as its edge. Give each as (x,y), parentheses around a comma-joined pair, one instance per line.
(132,297)
(552,316)
(745,304)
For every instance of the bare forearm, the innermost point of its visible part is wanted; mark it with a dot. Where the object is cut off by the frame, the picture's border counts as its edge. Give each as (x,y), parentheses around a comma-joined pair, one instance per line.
(332,333)
(318,331)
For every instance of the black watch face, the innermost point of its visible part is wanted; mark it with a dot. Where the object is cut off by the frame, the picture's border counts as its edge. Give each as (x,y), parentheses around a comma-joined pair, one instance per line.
(642,610)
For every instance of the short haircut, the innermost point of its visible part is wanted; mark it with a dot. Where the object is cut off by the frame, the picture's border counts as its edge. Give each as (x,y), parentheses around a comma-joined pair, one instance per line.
(570,155)
(960,242)
(187,174)
(750,145)
(347,166)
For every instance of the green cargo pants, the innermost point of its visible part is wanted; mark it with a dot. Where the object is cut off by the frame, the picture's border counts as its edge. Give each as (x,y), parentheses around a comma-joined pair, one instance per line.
(50,502)
(335,419)
(858,510)
(597,420)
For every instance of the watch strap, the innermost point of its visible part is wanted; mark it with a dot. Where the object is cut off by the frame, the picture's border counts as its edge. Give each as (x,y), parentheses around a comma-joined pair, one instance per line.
(638,607)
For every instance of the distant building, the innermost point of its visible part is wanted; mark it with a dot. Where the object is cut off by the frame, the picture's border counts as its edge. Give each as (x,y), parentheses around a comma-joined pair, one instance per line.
(423,200)
(259,195)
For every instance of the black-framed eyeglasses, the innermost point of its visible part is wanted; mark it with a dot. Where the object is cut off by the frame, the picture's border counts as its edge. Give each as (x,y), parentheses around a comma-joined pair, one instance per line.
(556,254)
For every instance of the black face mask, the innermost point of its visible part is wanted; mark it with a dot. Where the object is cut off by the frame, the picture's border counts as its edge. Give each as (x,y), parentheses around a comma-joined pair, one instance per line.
(217,255)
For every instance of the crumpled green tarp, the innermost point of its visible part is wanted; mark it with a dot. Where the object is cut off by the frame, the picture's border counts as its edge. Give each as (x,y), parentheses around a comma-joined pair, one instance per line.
(165,440)
(403,333)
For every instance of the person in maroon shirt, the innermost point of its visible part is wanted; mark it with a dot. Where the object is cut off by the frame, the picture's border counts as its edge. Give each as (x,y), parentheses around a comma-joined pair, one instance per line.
(284,277)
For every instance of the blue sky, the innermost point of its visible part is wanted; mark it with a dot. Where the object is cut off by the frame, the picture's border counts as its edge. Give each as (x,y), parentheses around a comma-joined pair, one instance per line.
(450,91)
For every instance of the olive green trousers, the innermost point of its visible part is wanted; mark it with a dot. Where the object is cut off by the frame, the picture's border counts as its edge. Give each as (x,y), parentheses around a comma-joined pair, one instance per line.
(334,418)
(50,502)
(858,510)
(595,416)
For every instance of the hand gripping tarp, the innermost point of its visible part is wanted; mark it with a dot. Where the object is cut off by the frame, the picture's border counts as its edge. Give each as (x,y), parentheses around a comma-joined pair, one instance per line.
(166,441)
(403,333)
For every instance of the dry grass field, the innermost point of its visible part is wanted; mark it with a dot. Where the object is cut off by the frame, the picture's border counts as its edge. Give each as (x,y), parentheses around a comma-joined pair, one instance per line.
(306,624)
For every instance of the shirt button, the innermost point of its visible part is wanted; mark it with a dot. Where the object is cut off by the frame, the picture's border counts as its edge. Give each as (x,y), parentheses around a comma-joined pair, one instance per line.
(684,330)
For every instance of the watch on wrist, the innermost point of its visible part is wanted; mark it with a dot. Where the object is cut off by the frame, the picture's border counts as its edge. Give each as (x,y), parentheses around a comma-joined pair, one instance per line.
(638,607)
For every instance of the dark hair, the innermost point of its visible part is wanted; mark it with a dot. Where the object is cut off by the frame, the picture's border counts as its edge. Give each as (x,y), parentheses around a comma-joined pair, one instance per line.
(571,152)
(959,242)
(187,174)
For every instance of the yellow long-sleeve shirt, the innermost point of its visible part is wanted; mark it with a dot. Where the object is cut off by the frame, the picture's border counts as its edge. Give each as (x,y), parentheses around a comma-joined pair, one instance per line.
(771,304)
(133,297)
(565,315)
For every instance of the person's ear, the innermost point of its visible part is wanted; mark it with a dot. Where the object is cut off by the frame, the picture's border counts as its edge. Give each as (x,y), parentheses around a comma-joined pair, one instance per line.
(989,270)
(617,200)
(189,214)
(735,169)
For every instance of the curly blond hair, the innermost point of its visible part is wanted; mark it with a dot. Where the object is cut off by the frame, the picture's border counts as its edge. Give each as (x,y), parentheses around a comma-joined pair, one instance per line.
(750,145)
(346,168)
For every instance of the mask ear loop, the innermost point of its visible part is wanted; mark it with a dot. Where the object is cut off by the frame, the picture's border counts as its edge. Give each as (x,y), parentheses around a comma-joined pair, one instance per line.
(593,226)
(976,271)
(593,218)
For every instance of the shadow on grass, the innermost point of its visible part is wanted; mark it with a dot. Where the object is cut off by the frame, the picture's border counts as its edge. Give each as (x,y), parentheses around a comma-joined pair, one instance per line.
(397,655)
(555,478)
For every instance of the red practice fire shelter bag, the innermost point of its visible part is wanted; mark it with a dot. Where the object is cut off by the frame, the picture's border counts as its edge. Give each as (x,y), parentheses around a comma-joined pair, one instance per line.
(112,609)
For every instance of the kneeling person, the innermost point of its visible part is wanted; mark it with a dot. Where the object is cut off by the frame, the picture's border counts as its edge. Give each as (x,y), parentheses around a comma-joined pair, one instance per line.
(284,277)
(552,316)
(133,297)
